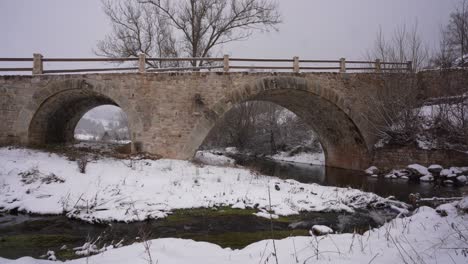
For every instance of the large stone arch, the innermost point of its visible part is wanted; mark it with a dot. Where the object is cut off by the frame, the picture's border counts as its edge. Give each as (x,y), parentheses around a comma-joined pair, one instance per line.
(54,110)
(324,109)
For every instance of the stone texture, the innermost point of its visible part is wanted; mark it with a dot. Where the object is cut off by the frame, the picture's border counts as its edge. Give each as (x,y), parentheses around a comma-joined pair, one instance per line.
(170,114)
(400,157)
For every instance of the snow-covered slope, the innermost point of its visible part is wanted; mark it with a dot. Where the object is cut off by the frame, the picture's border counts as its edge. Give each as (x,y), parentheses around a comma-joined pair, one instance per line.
(132,190)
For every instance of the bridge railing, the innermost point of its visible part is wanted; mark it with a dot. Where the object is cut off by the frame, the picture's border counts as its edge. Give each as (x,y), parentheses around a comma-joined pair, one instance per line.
(226,64)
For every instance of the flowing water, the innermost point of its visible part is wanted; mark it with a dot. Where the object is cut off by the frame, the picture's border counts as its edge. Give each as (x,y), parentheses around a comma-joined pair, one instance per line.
(29,235)
(328,176)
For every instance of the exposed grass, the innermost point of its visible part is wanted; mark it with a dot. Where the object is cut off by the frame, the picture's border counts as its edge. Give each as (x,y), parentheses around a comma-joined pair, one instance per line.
(183,215)
(37,245)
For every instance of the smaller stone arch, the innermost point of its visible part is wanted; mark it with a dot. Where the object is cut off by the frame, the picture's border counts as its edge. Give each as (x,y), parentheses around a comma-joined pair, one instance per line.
(54,111)
(323,109)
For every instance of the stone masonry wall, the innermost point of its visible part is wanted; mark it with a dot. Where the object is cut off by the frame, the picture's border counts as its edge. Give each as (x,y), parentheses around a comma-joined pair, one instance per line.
(399,157)
(171,113)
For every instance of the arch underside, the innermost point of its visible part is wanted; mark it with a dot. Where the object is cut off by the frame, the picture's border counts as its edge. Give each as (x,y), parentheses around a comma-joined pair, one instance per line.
(341,139)
(57,117)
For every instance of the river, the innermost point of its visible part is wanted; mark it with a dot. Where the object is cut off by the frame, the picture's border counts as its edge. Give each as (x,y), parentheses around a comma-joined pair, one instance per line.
(30,235)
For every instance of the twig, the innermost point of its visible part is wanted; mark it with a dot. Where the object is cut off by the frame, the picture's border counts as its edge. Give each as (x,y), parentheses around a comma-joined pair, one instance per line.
(271,225)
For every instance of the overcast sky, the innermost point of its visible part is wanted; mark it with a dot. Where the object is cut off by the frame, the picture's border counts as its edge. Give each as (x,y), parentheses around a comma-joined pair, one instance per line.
(312,29)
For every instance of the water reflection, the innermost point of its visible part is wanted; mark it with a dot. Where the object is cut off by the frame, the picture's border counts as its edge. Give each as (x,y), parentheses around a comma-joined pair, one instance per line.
(346,178)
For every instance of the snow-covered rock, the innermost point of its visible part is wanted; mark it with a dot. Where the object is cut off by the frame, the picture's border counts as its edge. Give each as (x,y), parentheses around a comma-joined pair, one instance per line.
(51,255)
(232,150)
(451,172)
(321,230)
(372,170)
(427,178)
(209,158)
(462,179)
(435,169)
(418,169)
(448,182)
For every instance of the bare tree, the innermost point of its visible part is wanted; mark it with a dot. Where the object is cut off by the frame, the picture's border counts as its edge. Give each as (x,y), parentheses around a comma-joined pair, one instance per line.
(405,45)
(206,24)
(135,30)
(444,57)
(262,128)
(456,32)
(395,112)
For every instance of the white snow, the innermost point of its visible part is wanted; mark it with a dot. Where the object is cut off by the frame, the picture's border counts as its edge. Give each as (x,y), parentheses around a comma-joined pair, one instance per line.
(133,190)
(463,204)
(425,237)
(321,230)
(419,168)
(462,179)
(83,136)
(303,157)
(232,150)
(266,215)
(209,158)
(372,170)
(427,178)
(435,167)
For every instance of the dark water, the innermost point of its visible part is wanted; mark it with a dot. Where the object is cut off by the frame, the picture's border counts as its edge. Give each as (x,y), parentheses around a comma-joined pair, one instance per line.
(26,235)
(346,178)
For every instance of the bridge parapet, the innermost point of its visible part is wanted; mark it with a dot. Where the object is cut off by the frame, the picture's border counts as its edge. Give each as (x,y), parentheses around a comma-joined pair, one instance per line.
(143,64)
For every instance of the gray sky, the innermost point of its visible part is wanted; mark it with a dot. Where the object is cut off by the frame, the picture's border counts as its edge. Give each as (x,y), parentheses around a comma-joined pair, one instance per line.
(312,29)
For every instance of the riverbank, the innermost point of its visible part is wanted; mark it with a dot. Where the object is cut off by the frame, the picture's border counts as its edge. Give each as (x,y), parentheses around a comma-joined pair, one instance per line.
(134,190)
(429,236)
(302,157)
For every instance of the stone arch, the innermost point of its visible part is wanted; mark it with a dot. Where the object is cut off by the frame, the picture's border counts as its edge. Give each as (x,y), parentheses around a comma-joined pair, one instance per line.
(52,114)
(324,109)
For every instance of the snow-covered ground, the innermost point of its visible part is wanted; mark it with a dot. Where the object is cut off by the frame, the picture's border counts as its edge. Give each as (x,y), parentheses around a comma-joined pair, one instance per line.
(132,190)
(84,136)
(303,157)
(425,237)
(210,158)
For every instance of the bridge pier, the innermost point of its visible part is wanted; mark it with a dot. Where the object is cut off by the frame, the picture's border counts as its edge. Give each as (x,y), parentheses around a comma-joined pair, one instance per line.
(171,113)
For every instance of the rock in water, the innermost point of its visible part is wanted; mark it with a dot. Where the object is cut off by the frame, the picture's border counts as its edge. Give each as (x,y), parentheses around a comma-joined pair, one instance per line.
(372,170)
(320,230)
(427,178)
(435,169)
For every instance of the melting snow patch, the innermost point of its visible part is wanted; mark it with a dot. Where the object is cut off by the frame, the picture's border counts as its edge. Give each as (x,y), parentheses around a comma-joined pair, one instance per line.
(266,215)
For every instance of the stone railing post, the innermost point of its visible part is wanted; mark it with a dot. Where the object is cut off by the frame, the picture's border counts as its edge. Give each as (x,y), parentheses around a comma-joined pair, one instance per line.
(226,63)
(141,63)
(37,64)
(342,65)
(296,64)
(409,66)
(378,66)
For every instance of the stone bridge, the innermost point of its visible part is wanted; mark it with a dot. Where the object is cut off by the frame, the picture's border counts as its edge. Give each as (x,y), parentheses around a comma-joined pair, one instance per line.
(171,113)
